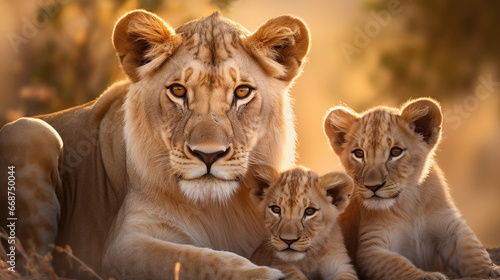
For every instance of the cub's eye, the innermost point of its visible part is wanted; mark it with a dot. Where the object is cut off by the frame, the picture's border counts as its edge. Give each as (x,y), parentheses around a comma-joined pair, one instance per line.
(358,153)
(275,209)
(242,91)
(178,90)
(310,211)
(395,152)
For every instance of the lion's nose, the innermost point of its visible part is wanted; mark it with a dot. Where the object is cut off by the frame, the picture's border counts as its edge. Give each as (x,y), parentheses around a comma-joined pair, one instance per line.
(209,158)
(375,188)
(289,241)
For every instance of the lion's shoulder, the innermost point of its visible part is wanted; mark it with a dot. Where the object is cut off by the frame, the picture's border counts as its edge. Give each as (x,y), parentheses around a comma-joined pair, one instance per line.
(109,102)
(94,153)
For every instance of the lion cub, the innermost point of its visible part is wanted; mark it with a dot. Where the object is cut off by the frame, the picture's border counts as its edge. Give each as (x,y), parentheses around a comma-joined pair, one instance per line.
(402,222)
(300,212)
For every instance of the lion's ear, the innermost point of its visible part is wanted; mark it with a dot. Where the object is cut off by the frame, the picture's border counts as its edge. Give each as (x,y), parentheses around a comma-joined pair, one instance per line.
(337,124)
(140,38)
(339,187)
(264,175)
(280,45)
(425,118)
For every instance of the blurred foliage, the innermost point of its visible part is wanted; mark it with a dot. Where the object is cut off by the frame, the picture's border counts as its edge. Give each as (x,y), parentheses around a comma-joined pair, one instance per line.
(445,46)
(70,59)
(223,4)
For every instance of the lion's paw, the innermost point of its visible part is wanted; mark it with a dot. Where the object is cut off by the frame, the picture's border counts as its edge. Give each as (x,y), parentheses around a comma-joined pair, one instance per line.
(492,271)
(262,273)
(433,276)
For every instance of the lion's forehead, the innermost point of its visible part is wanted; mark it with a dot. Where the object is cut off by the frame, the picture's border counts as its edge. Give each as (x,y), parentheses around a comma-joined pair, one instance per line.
(377,130)
(212,40)
(212,77)
(211,86)
(213,58)
(295,188)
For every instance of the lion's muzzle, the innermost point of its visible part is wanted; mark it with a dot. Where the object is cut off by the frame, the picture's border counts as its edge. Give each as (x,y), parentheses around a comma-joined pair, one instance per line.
(209,158)
(208,142)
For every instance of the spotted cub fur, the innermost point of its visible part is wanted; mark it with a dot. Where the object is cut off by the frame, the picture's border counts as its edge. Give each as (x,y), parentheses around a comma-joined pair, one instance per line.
(402,222)
(300,212)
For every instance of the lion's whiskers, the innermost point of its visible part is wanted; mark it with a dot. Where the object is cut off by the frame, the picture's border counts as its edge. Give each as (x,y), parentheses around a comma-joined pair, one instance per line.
(161,159)
(256,158)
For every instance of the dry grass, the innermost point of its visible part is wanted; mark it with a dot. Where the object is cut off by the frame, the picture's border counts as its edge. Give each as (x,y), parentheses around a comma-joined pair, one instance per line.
(37,266)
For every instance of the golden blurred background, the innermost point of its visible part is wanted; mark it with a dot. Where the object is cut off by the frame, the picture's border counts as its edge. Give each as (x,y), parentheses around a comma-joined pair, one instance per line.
(57,53)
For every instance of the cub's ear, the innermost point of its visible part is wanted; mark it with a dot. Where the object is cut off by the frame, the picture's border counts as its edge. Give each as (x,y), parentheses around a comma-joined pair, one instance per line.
(280,46)
(140,38)
(339,186)
(264,176)
(337,124)
(425,118)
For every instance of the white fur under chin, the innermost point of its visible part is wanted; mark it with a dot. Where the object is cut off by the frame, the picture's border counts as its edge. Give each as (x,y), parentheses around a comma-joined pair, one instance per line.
(290,257)
(204,190)
(378,203)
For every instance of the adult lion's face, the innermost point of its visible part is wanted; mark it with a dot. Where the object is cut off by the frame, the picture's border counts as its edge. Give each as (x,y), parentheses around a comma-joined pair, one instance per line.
(208,99)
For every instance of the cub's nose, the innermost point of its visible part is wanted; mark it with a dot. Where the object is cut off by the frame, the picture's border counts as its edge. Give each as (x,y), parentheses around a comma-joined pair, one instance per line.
(289,241)
(375,188)
(208,157)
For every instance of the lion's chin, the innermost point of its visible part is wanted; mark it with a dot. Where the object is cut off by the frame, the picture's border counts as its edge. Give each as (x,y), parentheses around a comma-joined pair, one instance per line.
(290,255)
(208,189)
(377,203)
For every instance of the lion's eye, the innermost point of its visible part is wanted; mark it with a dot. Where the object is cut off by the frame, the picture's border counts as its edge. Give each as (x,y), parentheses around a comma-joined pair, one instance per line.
(242,91)
(275,209)
(178,90)
(358,153)
(396,151)
(310,211)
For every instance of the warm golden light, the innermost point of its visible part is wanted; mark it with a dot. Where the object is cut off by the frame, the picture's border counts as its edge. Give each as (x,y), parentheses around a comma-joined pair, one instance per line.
(363,54)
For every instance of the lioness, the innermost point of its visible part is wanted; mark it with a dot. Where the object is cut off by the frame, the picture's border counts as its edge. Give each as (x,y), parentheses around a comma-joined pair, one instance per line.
(151,172)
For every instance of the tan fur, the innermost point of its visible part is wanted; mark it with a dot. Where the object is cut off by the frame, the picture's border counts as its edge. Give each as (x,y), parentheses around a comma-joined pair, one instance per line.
(48,156)
(316,249)
(148,179)
(402,222)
